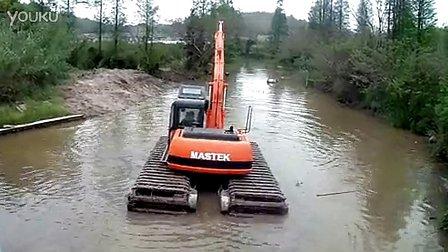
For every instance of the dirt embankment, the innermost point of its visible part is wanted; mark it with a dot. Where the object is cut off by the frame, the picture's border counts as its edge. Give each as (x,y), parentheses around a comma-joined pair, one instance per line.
(108,90)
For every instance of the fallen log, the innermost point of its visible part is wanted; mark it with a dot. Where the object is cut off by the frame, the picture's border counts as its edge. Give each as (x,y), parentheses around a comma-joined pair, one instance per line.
(334,193)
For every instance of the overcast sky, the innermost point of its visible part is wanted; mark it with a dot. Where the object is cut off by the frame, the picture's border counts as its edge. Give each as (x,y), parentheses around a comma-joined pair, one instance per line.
(172,9)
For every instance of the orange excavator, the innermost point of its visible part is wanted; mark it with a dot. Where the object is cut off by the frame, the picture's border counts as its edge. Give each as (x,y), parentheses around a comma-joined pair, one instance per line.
(198,143)
(203,146)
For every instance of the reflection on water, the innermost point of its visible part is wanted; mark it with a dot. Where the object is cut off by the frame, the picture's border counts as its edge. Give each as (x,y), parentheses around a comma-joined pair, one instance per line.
(63,188)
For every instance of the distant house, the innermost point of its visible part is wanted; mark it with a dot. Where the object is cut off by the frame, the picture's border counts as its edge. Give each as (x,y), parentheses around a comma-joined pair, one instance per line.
(89,36)
(262,38)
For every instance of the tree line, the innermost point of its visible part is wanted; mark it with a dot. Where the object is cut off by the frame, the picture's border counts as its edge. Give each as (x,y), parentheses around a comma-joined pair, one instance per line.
(393,61)
(240,40)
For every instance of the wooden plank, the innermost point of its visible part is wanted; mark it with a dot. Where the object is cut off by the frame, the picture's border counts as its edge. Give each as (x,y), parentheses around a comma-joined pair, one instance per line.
(40,124)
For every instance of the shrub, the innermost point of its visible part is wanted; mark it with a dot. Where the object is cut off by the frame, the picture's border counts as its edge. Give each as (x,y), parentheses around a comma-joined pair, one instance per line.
(441,110)
(85,55)
(31,57)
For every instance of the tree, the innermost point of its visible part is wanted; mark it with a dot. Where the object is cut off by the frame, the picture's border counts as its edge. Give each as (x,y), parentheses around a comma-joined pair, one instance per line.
(380,15)
(100,18)
(178,27)
(364,17)
(341,14)
(197,43)
(148,12)
(233,21)
(118,20)
(279,25)
(201,7)
(400,19)
(233,25)
(425,15)
(329,14)
(200,27)
(68,7)
(46,4)
(315,17)
(6,5)
(389,16)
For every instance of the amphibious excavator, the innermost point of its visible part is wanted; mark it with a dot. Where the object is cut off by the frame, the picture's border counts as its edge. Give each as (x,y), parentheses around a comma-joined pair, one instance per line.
(198,143)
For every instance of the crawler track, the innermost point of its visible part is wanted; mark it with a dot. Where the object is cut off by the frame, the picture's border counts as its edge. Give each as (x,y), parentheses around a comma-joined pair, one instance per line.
(160,190)
(256,193)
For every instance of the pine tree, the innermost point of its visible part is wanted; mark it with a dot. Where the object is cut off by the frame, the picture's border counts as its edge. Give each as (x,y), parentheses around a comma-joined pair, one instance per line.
(315,18)
(329,14)
(118,20)
(100,19)
(147,13)
(403,20)
(68,7)
(364,17)
(279,25)
(341,14)
(201,7)
(425,17)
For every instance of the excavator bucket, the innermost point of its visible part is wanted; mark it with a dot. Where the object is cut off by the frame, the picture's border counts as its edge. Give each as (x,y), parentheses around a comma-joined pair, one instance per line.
(159,189)
(256,193)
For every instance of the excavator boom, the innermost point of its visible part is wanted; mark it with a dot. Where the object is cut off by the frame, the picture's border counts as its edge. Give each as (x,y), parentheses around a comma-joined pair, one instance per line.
(218,87)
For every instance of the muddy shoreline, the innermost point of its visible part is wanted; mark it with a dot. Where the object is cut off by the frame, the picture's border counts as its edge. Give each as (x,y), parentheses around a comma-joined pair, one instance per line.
(104,91)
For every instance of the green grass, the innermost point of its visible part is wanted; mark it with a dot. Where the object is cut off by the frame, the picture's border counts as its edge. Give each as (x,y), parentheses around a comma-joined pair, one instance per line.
(43,104)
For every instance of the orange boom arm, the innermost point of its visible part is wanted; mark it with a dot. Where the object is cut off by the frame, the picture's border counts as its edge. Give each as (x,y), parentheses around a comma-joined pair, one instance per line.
(218,87)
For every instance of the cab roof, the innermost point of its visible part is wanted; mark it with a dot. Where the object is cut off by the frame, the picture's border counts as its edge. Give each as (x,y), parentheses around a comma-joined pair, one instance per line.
(192,92)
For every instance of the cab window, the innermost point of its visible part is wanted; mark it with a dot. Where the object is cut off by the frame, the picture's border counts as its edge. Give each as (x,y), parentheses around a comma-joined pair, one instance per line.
(190,117)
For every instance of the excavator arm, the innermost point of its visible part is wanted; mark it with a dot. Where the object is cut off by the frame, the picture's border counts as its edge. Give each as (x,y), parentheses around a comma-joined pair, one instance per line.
(218,87)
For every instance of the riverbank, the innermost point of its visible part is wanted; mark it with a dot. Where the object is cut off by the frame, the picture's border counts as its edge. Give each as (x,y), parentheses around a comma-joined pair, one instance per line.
(90,93)
(108,90)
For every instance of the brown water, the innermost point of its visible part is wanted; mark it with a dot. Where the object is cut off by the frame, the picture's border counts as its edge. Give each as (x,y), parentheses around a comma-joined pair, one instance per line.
(63,188)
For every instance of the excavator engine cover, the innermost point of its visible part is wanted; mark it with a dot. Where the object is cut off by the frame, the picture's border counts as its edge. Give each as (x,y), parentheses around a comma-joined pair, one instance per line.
(210,151)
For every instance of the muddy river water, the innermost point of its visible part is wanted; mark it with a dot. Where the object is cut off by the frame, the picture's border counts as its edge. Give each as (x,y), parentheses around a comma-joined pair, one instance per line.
(63,188)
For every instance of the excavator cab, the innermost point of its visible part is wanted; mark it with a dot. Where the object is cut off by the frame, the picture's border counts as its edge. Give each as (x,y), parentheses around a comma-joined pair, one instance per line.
(189,109)
(187,113)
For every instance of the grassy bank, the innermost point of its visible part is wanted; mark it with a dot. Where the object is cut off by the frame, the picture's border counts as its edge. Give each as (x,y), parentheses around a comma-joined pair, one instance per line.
(41,105)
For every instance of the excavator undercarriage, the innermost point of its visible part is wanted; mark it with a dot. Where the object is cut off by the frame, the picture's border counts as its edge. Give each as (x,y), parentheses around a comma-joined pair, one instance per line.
(161,190)
(256,193)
